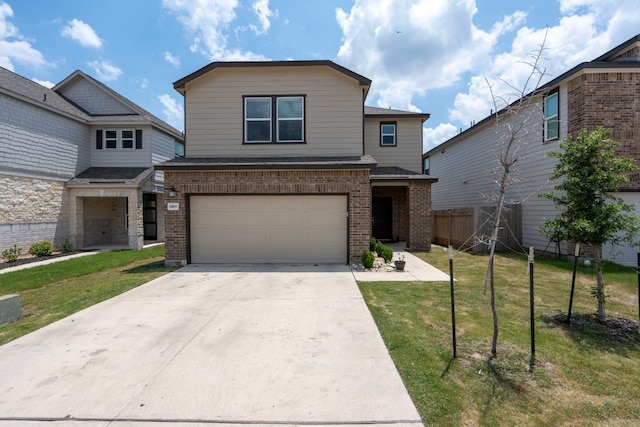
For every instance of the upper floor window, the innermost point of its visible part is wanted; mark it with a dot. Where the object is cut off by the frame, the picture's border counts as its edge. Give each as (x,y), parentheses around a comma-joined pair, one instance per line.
(551,121)
(426,166)
(388,134)
(113,139)
(274,119)
(179,149)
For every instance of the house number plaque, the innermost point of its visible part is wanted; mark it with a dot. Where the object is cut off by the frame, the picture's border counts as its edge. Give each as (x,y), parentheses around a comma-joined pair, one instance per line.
(173,206)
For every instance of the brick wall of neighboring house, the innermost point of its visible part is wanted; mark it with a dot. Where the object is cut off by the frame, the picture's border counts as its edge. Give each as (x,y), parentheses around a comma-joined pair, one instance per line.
(419,198)
(354,183)
(610,100)
(32,210)
(400,213)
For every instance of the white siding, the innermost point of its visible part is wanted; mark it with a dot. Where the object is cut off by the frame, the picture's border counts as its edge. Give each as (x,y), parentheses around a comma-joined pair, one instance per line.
(466,173)
(41,142)
(92,99)
(406,154)
(214,111)
(119,157)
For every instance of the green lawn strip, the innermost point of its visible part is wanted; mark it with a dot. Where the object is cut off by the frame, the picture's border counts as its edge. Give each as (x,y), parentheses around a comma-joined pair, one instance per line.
(582,376)
(34,277)
(43,304)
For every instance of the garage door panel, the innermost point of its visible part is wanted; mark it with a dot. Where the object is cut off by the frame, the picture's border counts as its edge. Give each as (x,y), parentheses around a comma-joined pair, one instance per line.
(268,229)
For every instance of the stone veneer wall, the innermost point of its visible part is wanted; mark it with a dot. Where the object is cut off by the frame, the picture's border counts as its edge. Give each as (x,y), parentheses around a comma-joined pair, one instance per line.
(32,210)
(611,100)
(354,183)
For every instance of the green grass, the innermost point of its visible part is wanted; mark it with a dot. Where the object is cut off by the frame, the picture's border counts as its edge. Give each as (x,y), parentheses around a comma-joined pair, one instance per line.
(585,374)
(52,292)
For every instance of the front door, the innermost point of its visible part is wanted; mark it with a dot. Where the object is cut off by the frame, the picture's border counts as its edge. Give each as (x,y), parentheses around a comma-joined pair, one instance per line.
(149,216)
(382,218)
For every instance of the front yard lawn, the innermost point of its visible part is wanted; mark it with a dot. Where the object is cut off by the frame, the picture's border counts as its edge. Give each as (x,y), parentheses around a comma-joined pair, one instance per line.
(52,292)
(585,374)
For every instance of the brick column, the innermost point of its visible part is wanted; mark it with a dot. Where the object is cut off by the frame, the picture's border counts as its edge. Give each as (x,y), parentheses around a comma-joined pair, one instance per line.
(419,198)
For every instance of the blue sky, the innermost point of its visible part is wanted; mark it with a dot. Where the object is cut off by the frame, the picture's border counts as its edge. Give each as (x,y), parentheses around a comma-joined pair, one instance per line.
(433,56)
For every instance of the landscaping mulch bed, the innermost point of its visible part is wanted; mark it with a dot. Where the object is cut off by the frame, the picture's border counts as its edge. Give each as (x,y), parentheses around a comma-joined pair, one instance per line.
(614,330)
(28,259)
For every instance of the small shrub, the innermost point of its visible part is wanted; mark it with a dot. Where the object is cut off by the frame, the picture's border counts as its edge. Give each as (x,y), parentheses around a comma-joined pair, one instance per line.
(367,259)
(11,254)
(372,244)
(385,252)
(43,248)
(66,246)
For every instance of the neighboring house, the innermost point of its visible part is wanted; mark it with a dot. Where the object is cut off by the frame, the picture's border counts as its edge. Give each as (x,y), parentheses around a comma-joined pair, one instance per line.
(76,163)
(284,164)
(605,91)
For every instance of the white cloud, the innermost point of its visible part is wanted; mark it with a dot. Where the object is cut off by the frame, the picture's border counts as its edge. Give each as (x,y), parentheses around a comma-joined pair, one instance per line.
(434,136)
(589,29)
(105,71)
(172,110)
(13,47)
(44,83)
(405,48)
(208,21)
(82,33)
(173,60)
(262,11)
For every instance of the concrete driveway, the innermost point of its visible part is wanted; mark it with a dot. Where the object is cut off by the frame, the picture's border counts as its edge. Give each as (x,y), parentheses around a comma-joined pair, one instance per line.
(210,345)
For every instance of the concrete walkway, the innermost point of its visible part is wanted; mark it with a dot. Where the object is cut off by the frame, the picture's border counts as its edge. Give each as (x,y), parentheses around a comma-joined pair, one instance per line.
(415,270)
(210,345)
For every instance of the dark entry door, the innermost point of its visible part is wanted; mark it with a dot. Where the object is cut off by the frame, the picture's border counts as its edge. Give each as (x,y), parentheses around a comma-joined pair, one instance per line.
(150,216)
(382,218)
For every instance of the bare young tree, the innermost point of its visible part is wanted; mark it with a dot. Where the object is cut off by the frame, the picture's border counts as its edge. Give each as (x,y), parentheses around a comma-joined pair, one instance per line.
(514,121)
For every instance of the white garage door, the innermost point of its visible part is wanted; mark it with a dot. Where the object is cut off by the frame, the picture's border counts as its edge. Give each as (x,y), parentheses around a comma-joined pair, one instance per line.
(268,229)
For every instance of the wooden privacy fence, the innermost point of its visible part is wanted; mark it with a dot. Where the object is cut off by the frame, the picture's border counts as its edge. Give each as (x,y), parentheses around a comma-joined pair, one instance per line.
(467,227)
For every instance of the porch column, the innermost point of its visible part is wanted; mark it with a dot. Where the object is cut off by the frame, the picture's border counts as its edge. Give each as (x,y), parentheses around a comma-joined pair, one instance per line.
(136,223)
(419,195)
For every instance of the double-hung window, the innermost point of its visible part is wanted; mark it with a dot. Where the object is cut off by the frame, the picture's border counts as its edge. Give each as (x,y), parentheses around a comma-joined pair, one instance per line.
(388,134)
(551,119)
(269,119)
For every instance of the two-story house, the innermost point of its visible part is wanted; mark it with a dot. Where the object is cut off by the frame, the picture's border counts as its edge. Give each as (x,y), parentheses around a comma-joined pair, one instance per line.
(285,164)
(603,92)
(76,164)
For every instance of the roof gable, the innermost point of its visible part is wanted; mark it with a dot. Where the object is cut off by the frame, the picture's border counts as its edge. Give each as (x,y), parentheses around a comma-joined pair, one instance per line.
(180,84)
(20,87)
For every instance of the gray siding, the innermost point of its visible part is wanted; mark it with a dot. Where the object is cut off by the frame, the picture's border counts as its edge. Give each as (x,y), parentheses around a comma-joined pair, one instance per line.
(163,149)
(92,99)
(41,142)
(122,157)
(467,173)
(214,111)
(406,154)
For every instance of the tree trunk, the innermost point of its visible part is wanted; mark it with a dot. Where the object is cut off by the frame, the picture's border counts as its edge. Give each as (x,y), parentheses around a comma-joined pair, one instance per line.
(494,312)
(597,250)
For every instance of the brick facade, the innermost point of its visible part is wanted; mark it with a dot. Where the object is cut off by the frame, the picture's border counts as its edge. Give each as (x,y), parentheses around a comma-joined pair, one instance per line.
(400,214)
(353,183)
(419,198)
(611,100)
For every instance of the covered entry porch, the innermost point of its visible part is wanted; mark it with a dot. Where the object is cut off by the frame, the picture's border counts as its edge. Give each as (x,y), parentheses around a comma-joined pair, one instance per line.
(401,207)
(115,208)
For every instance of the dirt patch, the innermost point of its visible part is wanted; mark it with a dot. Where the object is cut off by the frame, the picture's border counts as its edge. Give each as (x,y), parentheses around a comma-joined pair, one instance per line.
(614,330)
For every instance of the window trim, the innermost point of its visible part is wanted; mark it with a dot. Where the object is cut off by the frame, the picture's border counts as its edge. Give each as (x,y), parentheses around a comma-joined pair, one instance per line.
(547,119)
(395,134)
(274,120)
(123,139)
